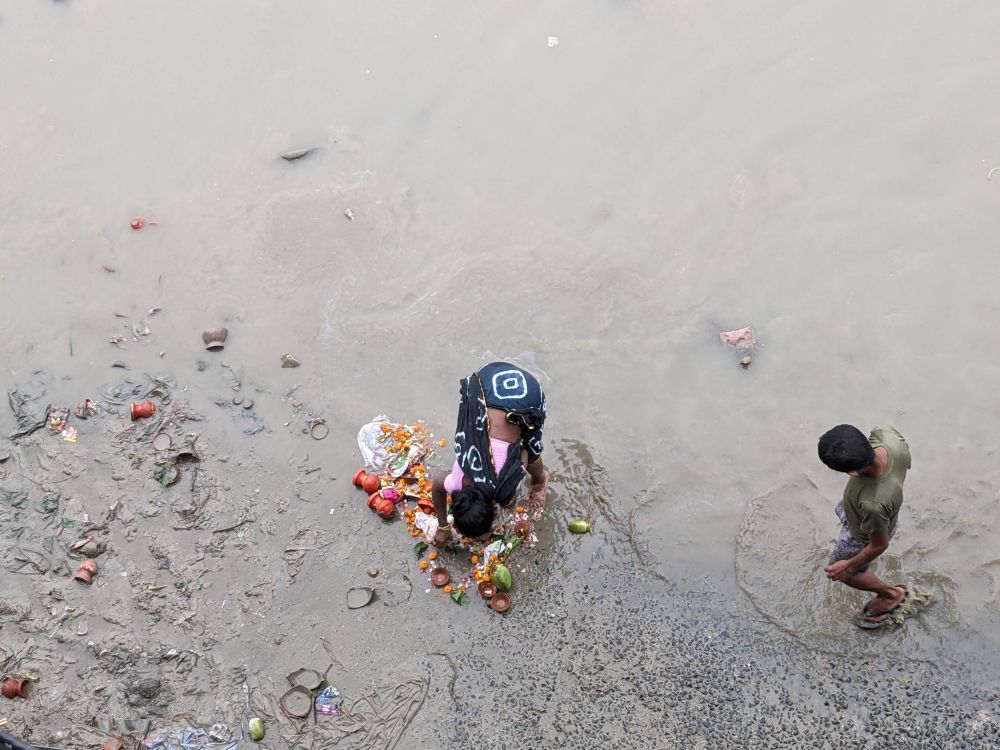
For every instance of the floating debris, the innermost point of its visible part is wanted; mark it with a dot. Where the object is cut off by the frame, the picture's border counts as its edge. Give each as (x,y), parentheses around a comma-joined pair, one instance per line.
(296,155)
(289,360)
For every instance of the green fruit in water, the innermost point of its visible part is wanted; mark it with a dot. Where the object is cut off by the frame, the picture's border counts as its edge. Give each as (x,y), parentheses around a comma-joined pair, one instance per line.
(256,729)
(579,526)
(502,578)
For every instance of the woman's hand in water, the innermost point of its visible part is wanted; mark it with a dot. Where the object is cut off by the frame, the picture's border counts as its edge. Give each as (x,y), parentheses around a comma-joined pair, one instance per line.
(442,537)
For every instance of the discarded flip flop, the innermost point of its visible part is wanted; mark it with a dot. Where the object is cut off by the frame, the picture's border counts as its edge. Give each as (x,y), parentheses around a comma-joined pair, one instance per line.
(865,612)
(865,623)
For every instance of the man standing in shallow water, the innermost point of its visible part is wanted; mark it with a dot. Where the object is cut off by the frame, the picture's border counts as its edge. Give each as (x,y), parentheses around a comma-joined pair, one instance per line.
(877,466)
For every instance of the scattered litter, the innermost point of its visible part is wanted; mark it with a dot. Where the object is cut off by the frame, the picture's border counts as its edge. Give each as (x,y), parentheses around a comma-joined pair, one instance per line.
(166,474)
(81,627)
(162,442)
(86,409)
(743,341)
(553,41)
(27,421)
(4,455)
(255,727)
(990,173)
(141,411)
(319,430)
(86,573)
(360,596)
(139,222)
(349,214)
(310,679)
(289,360)
(297,702)
(372,572)
(742,338)
(187,739)
(328,702)
(215,338)
(298,154)
(69,434)
(57,419)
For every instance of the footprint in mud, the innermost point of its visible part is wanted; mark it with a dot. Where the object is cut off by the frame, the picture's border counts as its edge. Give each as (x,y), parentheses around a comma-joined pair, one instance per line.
(782,548)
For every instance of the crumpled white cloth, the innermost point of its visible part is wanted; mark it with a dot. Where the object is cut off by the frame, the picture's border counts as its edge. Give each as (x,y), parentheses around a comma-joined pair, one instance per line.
(375,453)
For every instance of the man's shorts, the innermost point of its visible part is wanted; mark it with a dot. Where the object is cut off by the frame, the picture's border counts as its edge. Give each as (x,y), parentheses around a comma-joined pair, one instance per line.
(847,546)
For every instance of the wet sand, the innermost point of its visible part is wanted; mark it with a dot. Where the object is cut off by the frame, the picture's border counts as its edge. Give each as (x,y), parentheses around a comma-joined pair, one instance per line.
(660,175)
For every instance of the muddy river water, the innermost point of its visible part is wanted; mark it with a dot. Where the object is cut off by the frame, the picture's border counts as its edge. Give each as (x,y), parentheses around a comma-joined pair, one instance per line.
(592,190)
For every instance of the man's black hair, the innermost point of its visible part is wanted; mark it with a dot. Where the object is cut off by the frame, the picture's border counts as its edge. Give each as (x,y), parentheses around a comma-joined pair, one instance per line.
(845,448)
(472,510)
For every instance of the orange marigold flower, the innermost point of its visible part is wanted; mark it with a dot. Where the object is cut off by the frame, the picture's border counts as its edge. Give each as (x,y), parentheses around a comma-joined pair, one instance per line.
(442,443)
(423,565)
(432,555)
(475,559)
(447,589)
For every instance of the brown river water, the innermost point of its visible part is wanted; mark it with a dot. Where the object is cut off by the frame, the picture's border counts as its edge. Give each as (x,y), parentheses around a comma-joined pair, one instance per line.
(596,207)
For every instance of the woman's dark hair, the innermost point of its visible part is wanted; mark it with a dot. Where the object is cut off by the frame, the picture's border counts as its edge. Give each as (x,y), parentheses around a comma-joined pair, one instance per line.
(472,510)
(845,448)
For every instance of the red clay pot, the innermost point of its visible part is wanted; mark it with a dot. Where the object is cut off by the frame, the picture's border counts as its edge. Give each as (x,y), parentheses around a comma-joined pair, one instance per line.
(14,688)
(371,483)
(373,500)
(142,411)
(385,508)
(90,566)
(83,576)
(359,478)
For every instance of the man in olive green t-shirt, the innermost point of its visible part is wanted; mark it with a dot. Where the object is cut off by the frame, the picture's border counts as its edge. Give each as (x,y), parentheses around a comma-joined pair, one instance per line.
(877,466)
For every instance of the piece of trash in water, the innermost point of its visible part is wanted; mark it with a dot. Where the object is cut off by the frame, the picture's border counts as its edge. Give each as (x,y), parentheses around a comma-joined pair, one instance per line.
(86,573)
(310,679)
(296,155)
(57,420)
(745,362)
(248,404)
(81,542)
(742,338)
(13,688)
(162,442)
(120,364)
(81,627)
(319,430)
(372,572)
(4,455)
(139,222)
(289,360)
(69,434)
(349,214)
(215,338)
(579,526)
(553,41)
(296,701)
(328,702)
(255,727)
(166,474)
(88,408)
(360,596)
